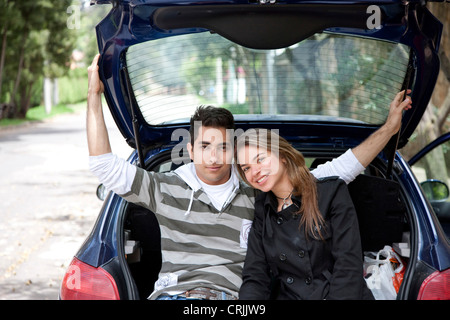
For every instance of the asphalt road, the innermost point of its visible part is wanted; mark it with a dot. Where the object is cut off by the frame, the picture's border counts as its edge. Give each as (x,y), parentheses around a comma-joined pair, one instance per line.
(48,203)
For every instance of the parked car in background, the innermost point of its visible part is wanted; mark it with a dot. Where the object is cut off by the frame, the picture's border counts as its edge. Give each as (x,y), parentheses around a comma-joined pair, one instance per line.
(323,73)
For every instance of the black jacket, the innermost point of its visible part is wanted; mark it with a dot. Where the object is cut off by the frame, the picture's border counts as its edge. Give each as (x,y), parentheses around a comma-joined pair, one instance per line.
(305,267)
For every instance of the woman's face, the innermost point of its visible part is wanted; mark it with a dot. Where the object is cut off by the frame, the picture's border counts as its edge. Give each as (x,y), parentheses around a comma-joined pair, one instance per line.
(263,169)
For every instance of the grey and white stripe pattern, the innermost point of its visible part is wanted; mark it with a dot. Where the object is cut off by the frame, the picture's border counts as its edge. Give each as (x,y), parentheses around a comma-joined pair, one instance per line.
(201,248)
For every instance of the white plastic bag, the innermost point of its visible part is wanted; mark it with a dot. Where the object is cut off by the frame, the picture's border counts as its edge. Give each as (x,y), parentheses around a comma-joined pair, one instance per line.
(380,273)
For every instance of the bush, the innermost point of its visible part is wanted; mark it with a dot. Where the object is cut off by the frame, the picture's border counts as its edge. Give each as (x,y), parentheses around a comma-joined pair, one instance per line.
(73,87)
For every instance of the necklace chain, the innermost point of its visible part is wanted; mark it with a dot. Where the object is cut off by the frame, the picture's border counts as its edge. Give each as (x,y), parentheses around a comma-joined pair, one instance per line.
(285,204)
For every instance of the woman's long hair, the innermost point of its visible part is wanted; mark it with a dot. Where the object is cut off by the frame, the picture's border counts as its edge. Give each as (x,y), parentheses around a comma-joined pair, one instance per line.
(302,180)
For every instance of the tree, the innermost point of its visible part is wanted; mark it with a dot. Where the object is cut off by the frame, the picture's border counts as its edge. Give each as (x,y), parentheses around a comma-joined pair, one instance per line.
(35,42)
(7,10)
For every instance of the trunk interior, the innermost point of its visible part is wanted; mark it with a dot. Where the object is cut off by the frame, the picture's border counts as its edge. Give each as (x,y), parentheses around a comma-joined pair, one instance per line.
(382,214)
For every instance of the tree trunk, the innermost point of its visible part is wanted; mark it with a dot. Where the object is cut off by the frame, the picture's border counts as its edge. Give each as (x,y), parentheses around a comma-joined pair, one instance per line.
(19,72)
(2,56)
(25,99)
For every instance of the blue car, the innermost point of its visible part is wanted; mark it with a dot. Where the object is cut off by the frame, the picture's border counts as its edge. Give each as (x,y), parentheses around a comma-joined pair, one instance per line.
(323,73)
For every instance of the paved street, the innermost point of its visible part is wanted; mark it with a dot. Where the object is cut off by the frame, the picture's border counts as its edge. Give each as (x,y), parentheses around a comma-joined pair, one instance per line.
(48,203)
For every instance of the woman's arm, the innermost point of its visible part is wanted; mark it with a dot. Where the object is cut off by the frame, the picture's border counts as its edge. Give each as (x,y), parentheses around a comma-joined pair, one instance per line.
(355,160)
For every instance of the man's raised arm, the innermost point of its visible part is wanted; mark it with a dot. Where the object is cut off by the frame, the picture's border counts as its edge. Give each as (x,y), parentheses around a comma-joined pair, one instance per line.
(115,173)
(97,134)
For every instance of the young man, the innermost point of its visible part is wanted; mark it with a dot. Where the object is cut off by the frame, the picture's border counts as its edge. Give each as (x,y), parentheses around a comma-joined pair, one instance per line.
(204,210)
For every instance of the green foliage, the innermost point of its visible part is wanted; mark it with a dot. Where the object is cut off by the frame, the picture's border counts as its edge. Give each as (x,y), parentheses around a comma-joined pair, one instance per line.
(435,190)
(35,43)
(73,86)
(237,108)
(38,113)
(86,37)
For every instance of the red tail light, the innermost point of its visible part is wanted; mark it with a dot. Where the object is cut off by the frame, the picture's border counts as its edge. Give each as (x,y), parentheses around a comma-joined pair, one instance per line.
(436,286)
(84,282)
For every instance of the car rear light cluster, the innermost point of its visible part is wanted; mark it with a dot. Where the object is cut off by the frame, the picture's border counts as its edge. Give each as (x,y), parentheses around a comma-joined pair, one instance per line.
(436,286)
(84,282)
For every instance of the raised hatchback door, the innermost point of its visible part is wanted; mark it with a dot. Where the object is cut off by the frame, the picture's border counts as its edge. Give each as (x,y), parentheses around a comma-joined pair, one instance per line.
(277,84)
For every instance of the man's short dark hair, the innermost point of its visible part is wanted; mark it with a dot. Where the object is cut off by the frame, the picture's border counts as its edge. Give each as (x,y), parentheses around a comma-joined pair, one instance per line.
(213,117)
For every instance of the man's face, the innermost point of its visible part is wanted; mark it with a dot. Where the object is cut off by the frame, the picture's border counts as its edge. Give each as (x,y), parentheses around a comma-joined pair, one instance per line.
(212,154)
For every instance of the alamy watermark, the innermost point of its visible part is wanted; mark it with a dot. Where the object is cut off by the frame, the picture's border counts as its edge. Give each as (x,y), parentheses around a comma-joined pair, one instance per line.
(73,279)
(74,18)
(374,20)
(221,148)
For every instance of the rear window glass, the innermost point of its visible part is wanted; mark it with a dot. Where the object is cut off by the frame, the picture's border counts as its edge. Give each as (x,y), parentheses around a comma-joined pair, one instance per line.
(338,76)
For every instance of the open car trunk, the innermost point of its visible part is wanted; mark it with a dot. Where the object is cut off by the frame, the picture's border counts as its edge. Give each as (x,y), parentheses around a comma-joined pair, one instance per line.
(327,81)
(383,215)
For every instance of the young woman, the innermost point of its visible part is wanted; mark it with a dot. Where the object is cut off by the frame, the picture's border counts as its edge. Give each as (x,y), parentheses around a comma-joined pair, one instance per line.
(304,242)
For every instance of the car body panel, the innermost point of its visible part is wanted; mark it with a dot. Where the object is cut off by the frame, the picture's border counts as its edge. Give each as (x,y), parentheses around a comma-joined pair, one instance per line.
(433,249)
(431,167)
(99,248)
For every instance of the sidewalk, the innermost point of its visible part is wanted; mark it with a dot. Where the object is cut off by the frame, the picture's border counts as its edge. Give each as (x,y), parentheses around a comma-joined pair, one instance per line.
(47,200)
